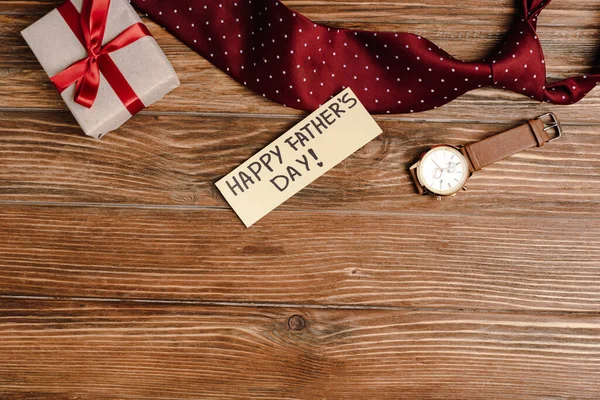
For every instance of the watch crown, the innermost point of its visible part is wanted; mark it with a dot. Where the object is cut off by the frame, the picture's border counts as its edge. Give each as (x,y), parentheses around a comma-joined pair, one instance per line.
(465,188)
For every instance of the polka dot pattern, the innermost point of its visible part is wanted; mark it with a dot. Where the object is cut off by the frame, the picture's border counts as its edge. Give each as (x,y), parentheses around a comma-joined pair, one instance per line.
(283,56)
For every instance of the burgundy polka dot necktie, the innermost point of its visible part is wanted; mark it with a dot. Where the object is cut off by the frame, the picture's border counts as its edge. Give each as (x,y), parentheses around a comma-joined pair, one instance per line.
(289,59)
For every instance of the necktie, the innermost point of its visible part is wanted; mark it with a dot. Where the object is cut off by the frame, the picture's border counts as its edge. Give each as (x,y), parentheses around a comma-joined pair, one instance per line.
(289,59)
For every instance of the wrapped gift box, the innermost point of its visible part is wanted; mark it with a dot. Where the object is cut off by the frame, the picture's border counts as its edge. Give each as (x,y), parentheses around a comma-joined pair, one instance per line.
(142,63)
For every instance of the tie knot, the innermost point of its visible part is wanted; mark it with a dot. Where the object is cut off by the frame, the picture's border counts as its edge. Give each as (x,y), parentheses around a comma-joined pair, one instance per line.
(518,64)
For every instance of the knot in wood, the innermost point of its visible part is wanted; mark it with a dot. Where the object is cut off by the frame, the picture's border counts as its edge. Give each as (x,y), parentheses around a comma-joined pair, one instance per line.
(296,323)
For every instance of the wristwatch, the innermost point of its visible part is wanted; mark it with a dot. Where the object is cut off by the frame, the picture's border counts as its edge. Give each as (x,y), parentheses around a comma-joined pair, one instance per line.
(444,169)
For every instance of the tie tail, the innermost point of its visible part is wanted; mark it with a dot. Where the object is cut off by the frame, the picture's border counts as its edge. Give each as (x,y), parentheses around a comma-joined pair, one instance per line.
(532,8)
(571,90)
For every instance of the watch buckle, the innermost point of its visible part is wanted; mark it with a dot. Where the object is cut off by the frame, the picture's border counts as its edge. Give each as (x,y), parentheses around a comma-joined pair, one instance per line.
(552,124)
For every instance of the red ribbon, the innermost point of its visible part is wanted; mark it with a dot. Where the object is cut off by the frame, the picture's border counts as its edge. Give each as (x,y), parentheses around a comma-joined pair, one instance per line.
(89,28)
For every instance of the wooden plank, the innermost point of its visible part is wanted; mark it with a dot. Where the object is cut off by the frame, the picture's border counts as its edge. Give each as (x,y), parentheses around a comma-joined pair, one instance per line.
(66,350)
(473,11)
(568,35)
(174,160)
(334,258)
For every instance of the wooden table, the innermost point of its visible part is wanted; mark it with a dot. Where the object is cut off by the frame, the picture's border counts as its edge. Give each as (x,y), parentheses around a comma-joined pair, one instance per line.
(124,274)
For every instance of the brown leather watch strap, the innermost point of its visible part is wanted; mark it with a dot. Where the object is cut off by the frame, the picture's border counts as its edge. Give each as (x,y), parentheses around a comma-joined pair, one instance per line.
(505,144)
(413,174)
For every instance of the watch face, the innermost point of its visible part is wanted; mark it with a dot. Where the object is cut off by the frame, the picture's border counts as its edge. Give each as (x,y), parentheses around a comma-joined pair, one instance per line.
(443,170)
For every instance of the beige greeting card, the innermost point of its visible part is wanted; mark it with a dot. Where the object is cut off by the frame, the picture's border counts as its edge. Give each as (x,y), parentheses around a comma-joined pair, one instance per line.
(298,157)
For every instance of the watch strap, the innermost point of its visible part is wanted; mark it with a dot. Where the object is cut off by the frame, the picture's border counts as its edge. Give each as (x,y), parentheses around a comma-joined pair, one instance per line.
(413,174)
(505,144)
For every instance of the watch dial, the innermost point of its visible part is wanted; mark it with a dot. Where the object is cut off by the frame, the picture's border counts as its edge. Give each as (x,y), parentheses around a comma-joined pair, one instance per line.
(443,170)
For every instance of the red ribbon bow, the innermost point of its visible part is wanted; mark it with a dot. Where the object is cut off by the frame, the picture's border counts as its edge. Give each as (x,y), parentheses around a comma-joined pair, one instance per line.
(89,28)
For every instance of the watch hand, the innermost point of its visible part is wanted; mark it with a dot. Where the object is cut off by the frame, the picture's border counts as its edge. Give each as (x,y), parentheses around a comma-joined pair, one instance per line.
(436,164)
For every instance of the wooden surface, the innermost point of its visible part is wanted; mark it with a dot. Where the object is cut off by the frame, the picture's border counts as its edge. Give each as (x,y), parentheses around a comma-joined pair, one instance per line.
(124,274)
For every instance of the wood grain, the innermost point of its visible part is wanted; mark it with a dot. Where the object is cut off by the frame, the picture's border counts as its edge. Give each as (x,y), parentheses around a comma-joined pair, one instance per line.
(569,36)
(404,260)
(149,351)
(174,160)
(124,274)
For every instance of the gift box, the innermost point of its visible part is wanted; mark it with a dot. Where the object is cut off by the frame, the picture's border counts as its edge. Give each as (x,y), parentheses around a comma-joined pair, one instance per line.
(103,60)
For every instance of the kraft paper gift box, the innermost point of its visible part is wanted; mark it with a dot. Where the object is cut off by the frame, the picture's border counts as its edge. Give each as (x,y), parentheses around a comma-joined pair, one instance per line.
(142,63)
